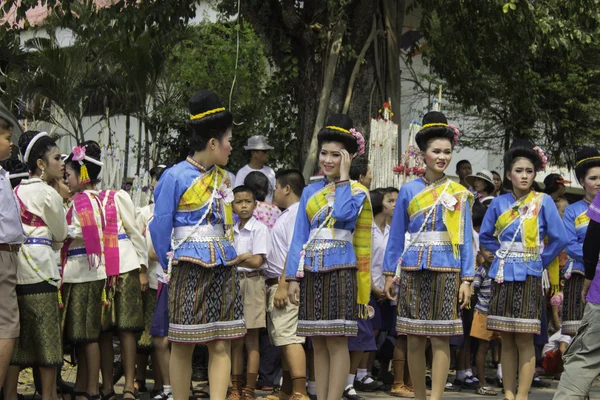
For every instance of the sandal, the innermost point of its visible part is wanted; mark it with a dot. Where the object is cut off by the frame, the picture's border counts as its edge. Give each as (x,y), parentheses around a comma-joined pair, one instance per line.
(486,391)
(140,386)
(200,394)
(109,396)
(127,391)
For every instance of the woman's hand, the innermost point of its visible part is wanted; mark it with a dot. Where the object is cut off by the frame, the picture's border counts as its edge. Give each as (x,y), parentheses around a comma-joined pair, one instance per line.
(345,165)
(464,295)
(586,288)
(144,281)
(281,296)
(390,288)
(294,293)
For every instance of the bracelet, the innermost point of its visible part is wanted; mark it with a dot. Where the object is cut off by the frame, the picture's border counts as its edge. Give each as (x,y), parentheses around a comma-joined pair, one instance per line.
(466,282)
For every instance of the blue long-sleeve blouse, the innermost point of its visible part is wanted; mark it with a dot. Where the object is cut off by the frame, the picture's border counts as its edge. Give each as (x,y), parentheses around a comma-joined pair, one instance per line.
(431,256)
(576,222)
(516,268)
(325,254)
(173,184)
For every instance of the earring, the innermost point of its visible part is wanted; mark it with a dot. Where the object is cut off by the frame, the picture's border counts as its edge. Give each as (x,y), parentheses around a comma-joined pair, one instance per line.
(43,176)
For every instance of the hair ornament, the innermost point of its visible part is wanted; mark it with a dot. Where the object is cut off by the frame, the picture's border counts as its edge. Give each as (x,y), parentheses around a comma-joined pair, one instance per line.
(456,134)
(360,140)
(31,143)
(337,128)
(542,157)
(206,113)
(79,156)
(586,160)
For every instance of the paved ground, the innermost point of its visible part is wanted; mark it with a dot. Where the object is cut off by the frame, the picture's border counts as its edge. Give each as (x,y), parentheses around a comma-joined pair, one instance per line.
(27,388)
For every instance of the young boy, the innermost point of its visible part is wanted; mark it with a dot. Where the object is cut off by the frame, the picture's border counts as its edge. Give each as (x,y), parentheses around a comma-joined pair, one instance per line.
(250,240)
(482,286)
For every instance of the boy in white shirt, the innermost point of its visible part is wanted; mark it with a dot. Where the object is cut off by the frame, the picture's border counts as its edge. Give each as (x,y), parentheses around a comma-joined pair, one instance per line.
(250,240)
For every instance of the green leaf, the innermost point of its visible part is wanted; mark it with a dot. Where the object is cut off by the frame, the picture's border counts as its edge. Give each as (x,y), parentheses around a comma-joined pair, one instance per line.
(505,8)
(513,6)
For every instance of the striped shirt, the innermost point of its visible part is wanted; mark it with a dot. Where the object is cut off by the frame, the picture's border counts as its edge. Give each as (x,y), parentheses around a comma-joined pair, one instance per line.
(483,283)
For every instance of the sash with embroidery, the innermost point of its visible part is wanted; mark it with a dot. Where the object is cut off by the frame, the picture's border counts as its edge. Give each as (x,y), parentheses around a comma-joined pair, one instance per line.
(321,203)
(582,220)
(527,207)
(112,258)
(28,218)
(198,195)
(455,199)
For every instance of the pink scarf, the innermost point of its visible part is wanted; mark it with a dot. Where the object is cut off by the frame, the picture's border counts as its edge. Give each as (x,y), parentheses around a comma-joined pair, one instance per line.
(111,233)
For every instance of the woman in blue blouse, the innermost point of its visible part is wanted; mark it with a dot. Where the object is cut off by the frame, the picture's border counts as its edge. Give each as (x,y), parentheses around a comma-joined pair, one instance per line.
(514,227)
(329,259)
(435,267)
(192,233)
(587,170)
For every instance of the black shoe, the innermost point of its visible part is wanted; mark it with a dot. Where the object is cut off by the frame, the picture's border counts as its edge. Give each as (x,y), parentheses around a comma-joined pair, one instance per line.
(387,378)
(367,387)
(428,382)
(538,383)
(349,396)
(452,387)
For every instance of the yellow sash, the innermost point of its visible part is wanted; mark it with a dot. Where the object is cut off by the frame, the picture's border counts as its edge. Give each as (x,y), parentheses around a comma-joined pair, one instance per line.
(199,194)
(453,217)
(318,204)
(582,220)
(530,233)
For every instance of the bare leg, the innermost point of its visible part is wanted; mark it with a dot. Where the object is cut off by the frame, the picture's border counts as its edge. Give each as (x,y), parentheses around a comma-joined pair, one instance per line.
(141,365)
(416,364)
(11,382)
(480,361)
(128,355)
(252,348)
(161,358)
(219,368)
(81,380)
(92,358)
(509,365)
(441,364)
(526,351)
(48,376)
(338,356)
(399,360)
(107,358)
(321,360)
(181,370)
(6,350)
(294,357)
(237,364)
(355,359)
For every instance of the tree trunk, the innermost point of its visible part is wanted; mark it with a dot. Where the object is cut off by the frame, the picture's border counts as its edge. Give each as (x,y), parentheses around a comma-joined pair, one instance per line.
(147,148)
(332,60)
(126,154)
(139,147)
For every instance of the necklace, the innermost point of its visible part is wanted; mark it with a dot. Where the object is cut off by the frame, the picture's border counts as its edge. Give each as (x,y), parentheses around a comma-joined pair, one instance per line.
(434,182)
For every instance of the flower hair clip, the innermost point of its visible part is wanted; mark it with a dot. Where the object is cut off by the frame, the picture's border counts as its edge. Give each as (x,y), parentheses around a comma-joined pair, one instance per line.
(360,140)
(542,157)
(79,155)
(456,134)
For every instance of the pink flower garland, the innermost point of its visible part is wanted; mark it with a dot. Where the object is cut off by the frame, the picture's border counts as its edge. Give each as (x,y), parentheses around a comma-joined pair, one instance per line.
(360,140)
(456,134)
(542,156)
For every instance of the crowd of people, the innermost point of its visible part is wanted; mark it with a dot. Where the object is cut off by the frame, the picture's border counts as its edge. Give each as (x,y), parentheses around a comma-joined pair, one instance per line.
(333,287)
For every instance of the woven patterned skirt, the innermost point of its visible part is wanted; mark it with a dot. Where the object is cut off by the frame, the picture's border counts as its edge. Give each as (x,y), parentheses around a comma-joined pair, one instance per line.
(572,309)
(516,306)
(144,344)
(205,304)
(82,314)
(40,342)
(328,304)
(123,312)
(428,304)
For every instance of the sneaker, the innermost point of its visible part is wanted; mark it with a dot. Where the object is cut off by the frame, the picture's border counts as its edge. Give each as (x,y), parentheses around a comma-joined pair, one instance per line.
(469,384)
(401,390)
(354,396)
(367,387)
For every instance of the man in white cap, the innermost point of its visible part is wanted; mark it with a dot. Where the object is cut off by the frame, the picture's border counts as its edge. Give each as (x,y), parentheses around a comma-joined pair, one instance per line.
(259,157)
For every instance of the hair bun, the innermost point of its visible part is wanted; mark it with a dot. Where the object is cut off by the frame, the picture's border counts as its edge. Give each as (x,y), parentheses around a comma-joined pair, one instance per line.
(92,149)
(203,101)
(340,121)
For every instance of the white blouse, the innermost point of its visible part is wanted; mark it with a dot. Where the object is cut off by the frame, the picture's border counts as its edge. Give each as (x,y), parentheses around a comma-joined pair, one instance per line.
(155,271)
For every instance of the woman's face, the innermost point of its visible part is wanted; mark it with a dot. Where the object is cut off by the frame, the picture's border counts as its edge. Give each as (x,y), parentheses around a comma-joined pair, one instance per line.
(479,185)
(73,180)
(223,148)
(389,203)
(522,174)
(591,182)
(330,159)
(438,155)
(497,181)
(53,165)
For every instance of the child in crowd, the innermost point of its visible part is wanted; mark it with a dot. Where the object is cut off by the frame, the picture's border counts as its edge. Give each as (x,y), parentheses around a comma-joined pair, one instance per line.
(265,212)
(482,286)
(250,241)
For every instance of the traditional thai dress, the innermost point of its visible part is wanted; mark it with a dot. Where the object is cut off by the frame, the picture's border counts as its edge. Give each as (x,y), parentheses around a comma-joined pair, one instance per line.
(193,227)
(576,222)
(515,230)
(438,255)
(124,253)
(330,254)
(83,270)
(44,224)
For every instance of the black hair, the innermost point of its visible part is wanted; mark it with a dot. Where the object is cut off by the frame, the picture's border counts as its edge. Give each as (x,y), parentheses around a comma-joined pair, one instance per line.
(16,167)
(258,183)
(358,167)
(38,151)
(521,148)
(213,125)
(243,189)
(92,150)
(435,126)
(5,124)
(376,196)
(478,213)
(158,171)
(293,178)
(461,162)
(587,158)
(329,134)
(390,189)
(496,173)
(489,186)
(551,188)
